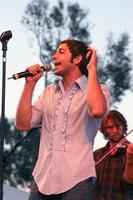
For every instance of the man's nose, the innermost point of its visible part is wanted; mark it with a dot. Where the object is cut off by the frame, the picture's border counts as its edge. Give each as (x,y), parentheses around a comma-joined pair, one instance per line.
(115,129)
(54,55)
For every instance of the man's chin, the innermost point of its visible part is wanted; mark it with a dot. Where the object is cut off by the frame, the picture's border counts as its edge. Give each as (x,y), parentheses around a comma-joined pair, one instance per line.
(116,140)
(57,73)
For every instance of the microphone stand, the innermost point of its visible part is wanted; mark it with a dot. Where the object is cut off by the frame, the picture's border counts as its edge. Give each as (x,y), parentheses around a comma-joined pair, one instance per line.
(4,38)
(17,144)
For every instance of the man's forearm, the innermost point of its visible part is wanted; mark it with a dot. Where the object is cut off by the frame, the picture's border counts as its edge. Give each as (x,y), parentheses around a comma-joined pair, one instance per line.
(95,98)
(24,109)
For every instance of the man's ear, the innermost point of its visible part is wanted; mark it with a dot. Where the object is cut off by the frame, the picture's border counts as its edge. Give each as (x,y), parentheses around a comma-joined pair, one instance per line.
(77,60)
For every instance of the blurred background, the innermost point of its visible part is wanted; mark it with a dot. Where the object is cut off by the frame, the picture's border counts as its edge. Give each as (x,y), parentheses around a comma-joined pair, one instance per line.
(37,26)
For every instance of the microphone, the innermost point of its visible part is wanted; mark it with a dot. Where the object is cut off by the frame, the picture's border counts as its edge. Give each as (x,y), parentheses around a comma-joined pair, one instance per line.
(26,73)
(5,36)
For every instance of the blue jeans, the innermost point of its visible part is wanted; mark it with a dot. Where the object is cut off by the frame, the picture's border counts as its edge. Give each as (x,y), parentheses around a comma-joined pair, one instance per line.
(81,191)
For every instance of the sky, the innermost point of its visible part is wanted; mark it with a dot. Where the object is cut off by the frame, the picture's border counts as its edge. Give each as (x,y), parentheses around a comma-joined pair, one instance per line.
(105,16)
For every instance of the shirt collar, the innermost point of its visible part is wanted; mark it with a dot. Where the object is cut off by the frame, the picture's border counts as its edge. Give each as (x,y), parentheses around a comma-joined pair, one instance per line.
(81,82)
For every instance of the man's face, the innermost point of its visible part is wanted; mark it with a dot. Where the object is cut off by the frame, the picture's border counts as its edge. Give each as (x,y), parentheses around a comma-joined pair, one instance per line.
(114,130)
(63,61)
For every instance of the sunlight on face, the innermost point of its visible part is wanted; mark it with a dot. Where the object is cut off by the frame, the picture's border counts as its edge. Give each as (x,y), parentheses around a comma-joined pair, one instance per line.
(62,60)
(114,130)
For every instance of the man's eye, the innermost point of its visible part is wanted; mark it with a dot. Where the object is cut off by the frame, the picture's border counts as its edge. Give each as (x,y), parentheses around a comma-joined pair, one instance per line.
(61,52)
(109,127)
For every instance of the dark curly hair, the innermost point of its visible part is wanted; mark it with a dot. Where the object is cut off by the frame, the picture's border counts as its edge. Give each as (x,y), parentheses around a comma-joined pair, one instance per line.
(115,116)
(76,48)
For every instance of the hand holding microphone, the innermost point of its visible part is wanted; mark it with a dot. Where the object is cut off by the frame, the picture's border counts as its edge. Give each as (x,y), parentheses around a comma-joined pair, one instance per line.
(27,73)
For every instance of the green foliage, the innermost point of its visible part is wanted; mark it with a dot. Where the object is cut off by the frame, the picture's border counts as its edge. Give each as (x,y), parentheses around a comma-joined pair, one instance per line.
(76,15)
(118,67)
(20,154)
